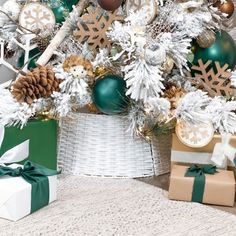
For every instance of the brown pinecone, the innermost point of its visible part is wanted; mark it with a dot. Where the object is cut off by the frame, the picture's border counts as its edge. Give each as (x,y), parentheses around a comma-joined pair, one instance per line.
(42,43)
(38,83)
(174,94)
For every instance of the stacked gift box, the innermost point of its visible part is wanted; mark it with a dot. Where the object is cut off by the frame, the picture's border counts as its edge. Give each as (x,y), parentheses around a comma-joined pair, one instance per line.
(31,182)
(195,171)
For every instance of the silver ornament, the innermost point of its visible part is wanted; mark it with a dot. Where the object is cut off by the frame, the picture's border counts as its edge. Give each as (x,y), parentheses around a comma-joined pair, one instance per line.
(155,55)
(13,8)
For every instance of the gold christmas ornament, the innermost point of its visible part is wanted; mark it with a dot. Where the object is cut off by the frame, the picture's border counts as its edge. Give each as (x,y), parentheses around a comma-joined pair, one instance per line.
(206,39)
(92,108)
(194,135)
(36,16)
(168,65)
(226,7)
(93,27)
(38,83)
(100,70)
(136,5)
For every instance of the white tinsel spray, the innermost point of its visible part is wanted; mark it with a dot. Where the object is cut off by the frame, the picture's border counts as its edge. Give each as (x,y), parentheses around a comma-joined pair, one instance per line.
(143,81)
(223,115)
(192,107)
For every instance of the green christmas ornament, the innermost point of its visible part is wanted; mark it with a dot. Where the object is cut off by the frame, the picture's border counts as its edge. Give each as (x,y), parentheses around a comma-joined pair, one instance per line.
(60,10)
(109,95)
(222,50)
(70,4)
(33,57)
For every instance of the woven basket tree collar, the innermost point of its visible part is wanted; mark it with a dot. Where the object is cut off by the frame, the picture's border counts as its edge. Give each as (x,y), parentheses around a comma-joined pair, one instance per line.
(38,83)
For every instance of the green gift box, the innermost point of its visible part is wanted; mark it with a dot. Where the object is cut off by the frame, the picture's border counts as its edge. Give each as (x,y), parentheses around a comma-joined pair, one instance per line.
(42,136)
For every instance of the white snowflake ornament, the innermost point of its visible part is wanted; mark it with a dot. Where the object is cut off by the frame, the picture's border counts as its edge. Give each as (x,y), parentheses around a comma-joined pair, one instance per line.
(194,135)
(36,16)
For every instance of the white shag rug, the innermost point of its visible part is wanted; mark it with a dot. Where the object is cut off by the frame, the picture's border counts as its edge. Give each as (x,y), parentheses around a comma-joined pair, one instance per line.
(119,207)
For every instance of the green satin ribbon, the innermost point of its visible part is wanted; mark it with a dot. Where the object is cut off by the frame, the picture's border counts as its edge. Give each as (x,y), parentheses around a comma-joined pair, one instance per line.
(199,179)
(36,175)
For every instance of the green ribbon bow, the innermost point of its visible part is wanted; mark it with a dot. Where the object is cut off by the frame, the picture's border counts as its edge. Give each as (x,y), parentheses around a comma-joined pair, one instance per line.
(35,175)
(199,179)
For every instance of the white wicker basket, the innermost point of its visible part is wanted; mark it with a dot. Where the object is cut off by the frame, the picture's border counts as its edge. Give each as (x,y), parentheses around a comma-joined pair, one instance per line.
(99,145)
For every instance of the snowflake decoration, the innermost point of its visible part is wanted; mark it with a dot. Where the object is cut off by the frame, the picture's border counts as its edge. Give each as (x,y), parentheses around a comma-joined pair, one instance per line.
(35,16)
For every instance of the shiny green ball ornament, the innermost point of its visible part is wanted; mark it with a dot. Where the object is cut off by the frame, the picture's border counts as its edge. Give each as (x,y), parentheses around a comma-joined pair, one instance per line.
(60,13)
(70,4)
(223,51)
(109,95)
(60,10)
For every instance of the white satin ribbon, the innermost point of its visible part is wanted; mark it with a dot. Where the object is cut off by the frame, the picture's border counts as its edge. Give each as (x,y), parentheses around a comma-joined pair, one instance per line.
(223,152)
(15,154)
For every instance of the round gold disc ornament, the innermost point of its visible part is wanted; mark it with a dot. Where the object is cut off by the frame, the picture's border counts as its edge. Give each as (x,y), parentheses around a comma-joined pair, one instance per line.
(135,5)
(194,135)
(36,16)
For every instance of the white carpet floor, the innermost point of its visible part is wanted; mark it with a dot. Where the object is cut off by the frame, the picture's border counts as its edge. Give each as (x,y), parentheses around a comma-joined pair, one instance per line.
(92,206)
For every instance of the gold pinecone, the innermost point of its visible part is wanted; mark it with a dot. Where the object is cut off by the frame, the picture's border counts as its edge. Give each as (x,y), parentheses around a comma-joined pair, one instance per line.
(174,94)
(38,83)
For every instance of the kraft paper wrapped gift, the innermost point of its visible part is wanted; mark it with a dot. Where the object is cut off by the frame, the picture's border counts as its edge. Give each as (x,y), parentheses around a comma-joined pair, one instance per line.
(20,198)
(217,189)
(181,153)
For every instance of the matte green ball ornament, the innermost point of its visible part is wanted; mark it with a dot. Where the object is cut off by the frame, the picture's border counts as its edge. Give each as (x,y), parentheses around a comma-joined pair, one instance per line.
(223,51)
(109,95)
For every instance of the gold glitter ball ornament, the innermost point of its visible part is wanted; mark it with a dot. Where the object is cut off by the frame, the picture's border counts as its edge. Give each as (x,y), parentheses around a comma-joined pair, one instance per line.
(206,39)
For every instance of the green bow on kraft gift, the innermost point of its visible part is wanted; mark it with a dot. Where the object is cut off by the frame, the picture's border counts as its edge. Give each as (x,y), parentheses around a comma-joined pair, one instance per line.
(199,179)
(35,175)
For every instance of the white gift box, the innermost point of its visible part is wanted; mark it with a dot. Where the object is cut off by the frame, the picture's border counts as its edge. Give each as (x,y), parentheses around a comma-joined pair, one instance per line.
(15,197)
(180,153)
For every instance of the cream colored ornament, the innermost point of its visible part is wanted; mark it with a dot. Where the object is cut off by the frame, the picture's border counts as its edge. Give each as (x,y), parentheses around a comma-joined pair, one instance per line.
(206,39)
(13,8)
(168,65)
(36,16)
(194,135)
(135,5)
(155,55)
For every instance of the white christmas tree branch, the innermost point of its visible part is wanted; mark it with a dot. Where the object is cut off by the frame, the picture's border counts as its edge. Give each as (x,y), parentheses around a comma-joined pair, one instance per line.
(61,34)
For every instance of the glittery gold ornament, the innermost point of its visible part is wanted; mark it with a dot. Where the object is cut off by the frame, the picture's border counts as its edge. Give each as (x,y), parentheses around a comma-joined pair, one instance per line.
(100,70)
(226,7)
(168,65)
(206,39)
(92,108)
